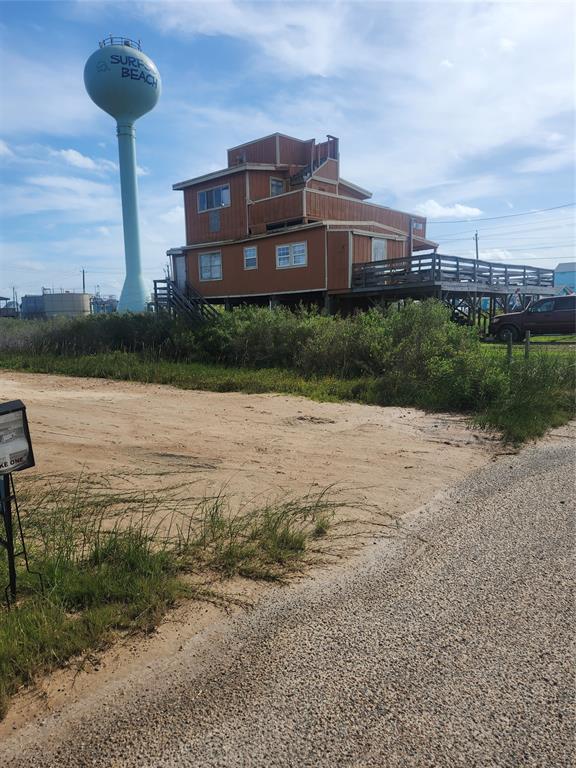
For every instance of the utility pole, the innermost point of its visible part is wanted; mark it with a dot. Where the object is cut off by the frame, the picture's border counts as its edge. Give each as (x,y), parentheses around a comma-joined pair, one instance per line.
(83,280)
(476,239)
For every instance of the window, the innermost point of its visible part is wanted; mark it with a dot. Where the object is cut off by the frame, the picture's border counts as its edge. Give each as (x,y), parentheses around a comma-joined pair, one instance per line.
(251,257)
(565,303)
(210,266)
(217,197)
(276,187)
(543,306)
(417,226)
(292,255)
(379,249)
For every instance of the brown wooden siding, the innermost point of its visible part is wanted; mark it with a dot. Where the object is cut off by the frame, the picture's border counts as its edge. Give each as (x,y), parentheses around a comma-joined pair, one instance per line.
(295,152)
(279,208)
(260,183)
(323,206)
(396,249)
(367,227)
(232,218)
(344,189)
(236,281)
(338,261)
(260,151)
(328,171)
(362,249)
(323,186)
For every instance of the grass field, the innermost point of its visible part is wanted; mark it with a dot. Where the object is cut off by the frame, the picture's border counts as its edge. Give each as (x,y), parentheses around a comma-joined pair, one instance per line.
(522,401)
(108,566)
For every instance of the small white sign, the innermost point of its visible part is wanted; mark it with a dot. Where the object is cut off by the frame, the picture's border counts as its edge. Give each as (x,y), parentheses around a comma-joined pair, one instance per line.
(14,447)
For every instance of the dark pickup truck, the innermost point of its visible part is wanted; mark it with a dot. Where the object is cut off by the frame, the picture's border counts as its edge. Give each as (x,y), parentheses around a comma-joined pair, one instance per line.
(549,316)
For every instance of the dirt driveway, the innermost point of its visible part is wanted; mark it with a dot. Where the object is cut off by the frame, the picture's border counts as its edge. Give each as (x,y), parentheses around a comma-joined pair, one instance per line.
(251,445)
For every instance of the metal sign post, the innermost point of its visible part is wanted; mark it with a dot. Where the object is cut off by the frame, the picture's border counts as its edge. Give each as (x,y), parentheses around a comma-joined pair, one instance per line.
(8,542)
(15,454)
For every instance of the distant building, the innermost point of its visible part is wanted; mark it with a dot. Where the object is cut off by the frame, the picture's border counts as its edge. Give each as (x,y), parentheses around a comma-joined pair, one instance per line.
(103,305)
(565,277)
(8,307)
(49,304)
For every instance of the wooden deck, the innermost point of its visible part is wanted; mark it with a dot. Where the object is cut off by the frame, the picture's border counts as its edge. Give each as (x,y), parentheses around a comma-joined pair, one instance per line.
(436,275)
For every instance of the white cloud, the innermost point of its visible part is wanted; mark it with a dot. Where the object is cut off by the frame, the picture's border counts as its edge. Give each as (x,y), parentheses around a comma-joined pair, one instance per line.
(495,254)
(78,160)
(75,158)
(433,210)
(414,131)
(45,97)
(507,45)
(173,216)
(546,163)
(5,150)
(73,199)
(296,37)
(83,187)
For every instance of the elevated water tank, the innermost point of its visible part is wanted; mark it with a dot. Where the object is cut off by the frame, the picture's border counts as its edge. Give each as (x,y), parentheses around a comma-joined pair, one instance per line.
(126,84)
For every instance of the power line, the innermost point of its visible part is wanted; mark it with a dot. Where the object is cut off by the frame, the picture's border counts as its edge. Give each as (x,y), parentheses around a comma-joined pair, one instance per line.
(506,216)
(548,221)
(508,232)
(536,239)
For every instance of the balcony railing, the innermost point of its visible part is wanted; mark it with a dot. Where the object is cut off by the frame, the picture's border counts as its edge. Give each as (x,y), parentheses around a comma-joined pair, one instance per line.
(276,209)
(435,269)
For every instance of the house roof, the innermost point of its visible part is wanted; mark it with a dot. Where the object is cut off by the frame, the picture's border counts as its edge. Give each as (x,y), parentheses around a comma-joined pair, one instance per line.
(225,172)
(269,136)
(355,186)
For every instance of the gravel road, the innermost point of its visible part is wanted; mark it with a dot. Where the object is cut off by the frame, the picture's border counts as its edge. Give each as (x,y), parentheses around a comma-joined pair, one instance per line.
(448,646)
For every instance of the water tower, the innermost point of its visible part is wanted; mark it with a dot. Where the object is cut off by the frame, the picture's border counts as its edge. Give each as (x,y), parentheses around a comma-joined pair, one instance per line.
(124,82)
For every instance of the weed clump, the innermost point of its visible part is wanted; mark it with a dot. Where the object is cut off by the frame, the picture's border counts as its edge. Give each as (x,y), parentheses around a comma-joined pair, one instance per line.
(116,561)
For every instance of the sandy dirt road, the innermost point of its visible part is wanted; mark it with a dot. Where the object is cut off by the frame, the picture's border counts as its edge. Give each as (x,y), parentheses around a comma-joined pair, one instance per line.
(253,446)
(450,646)
(395,458)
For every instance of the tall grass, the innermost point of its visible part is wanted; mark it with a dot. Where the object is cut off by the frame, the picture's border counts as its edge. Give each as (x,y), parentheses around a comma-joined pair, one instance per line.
(414,356)
(114,561)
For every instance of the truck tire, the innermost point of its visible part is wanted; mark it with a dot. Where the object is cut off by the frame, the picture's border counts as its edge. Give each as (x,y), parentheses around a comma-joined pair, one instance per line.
(509,329)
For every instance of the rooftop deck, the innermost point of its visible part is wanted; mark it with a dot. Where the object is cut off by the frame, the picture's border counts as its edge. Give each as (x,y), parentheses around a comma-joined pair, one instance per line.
(436,273)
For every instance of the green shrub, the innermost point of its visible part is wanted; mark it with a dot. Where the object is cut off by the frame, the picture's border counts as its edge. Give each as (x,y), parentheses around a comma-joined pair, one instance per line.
(539,395)
(255,336)
(415,356)
(345,347)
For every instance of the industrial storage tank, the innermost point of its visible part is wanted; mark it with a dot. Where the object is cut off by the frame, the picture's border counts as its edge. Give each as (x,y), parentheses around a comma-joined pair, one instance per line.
(32,307)
(66,304)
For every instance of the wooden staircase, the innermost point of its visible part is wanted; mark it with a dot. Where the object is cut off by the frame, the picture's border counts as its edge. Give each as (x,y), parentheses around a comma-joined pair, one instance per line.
(189,305)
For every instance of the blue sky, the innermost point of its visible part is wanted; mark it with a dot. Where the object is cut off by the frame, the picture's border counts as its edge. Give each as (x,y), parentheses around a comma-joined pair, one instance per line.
(461,111)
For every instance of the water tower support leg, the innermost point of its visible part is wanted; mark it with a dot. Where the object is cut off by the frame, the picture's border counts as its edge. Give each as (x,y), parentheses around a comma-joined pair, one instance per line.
(133,297)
